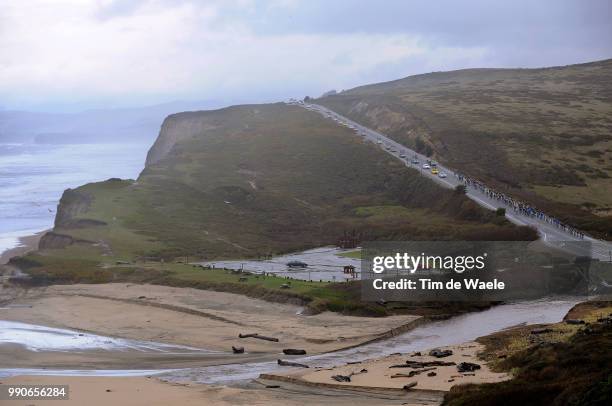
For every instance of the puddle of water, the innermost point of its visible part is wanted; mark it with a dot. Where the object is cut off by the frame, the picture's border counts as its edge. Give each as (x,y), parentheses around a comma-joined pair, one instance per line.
(324,264)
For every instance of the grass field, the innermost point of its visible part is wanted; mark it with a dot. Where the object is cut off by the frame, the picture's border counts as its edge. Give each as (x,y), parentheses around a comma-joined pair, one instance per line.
(542,135)
(79,264)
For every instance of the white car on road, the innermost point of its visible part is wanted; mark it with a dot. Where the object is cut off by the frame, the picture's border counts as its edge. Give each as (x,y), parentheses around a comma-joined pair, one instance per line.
(442,175)
(426,166)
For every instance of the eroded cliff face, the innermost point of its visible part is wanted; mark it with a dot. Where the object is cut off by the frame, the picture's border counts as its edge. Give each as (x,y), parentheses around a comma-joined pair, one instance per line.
(177,127)
(53,240)
(72,207)
(71,214)
(72,204)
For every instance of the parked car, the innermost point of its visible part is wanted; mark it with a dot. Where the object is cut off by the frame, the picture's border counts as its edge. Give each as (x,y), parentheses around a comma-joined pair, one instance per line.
(442,175)
(426,166)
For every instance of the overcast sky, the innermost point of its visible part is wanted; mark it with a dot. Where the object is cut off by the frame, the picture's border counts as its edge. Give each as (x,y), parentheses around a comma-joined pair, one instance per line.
(77,54)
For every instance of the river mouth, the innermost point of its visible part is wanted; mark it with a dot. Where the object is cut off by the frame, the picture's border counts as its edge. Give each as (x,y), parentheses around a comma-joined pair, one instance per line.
(41,338)
(71,353)
(41,350)
(457,330)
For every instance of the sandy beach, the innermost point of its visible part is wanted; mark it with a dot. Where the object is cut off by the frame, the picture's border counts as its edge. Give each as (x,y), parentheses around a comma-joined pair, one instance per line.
(103,391)
(191,317)
(212,321)
(374,387)
(379,373)
(26,244)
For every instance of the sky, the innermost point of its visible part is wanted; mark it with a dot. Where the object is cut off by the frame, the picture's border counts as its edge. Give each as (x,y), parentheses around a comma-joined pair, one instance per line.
(67,55)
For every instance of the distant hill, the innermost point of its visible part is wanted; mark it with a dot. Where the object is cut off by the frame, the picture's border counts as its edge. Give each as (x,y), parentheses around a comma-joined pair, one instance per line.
(543,135)
(105,125)
(251,180)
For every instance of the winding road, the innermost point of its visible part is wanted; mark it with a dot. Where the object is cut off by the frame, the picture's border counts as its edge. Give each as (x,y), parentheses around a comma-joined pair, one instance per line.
(549,233)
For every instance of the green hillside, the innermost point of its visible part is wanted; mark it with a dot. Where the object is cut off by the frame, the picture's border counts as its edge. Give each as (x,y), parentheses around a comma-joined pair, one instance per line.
(543,135)
(250,181)
(254,180)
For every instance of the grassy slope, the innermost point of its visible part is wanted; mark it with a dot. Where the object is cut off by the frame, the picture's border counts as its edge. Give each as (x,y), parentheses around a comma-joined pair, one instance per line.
(263,179)
(541,134)
(270,179)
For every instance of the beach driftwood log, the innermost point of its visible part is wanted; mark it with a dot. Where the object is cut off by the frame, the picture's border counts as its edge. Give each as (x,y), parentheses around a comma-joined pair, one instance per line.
(347,378)
(411,373)
(293,351)
(467,367)
(418,365)
(541,330)
(291,364)
(424,364)
(255,335)
(410,385)
(574,321)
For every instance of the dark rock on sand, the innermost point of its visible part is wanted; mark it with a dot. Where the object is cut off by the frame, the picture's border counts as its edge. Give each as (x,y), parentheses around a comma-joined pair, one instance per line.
(467,367)
(293,351)
(438,353)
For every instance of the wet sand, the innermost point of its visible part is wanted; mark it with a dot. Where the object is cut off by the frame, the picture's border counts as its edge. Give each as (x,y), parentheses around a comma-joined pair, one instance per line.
(303,388)
(101,391)
(143,391)
(196,318)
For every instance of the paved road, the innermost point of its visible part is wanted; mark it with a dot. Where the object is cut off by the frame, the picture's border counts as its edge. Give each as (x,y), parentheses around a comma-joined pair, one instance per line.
(550,234)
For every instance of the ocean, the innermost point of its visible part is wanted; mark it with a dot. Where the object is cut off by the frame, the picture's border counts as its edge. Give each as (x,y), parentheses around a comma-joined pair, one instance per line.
(33,177)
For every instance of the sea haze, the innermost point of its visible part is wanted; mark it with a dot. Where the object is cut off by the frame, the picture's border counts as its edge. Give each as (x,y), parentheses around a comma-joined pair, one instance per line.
(33,177)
